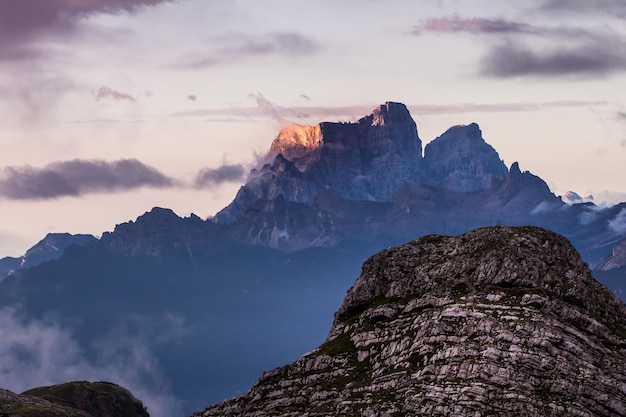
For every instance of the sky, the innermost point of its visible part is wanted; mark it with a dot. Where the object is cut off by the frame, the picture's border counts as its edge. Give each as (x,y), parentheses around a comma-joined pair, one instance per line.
(111,107)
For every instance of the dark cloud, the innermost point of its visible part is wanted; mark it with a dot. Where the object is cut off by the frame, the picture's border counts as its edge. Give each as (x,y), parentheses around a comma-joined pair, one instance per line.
(77,177)
(108,92)
(22,22)
(586,59)
(209,177)
(472,25)
(240,46)
(613,7)
(521,49)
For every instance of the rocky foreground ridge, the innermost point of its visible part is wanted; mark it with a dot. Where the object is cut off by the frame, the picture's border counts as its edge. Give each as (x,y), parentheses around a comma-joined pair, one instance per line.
(72,399)
(504,321)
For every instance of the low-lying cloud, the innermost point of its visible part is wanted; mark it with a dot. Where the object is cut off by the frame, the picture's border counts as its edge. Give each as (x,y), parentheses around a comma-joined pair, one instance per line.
(44,352)
(266,108)
(618,223)
(77,177)
(209,177)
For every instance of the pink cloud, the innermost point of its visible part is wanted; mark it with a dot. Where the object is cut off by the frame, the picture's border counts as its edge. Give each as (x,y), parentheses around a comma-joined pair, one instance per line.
(108,92)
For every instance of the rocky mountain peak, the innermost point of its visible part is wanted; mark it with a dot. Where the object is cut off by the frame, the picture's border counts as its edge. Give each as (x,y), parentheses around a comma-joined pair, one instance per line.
(461,160)
(531,258)
(498,321)
(299,144)
(161,232)
(388,113)
(363,161)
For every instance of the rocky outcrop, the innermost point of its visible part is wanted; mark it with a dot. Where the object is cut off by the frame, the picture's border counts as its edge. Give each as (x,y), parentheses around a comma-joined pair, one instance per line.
(498,321)
(461,160)
(161,233)
(617,259)
(72,399)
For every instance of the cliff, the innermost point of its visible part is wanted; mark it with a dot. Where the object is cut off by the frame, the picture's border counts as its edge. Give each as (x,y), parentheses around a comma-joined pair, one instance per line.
(498,321)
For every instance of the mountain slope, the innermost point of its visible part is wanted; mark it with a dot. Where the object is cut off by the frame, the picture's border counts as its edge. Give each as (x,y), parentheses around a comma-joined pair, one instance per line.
(52,246)
(498,321)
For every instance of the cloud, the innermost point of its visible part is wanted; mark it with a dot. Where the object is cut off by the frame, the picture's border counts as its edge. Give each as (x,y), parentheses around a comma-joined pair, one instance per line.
(597,7)
(108,92)
(592,57)
(240,46)
(544,207)
(43,352)
(77,177)
(268,107)
(618,223)
(472,25)
(23,22)
(209,177)
(518,49)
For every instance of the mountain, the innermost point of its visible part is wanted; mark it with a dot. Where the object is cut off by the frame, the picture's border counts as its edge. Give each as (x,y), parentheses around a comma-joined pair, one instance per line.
(50,247)
(461,160)
(363,161)
(196,309)
(497,321)
(72,399)
(617,259)
(368,181)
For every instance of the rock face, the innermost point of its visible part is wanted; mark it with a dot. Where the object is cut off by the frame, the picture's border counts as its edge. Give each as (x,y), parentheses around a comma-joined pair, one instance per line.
(161,233)
(72,399)
(367,160)
(617,259)
(461,160)
(499,321)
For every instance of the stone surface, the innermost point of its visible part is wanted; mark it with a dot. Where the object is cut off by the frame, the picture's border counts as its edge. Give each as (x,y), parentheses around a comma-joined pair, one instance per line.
(617,259)
(498,321)
(461,160)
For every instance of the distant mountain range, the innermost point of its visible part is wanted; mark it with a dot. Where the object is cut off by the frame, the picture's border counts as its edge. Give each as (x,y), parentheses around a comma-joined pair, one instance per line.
(215,302)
